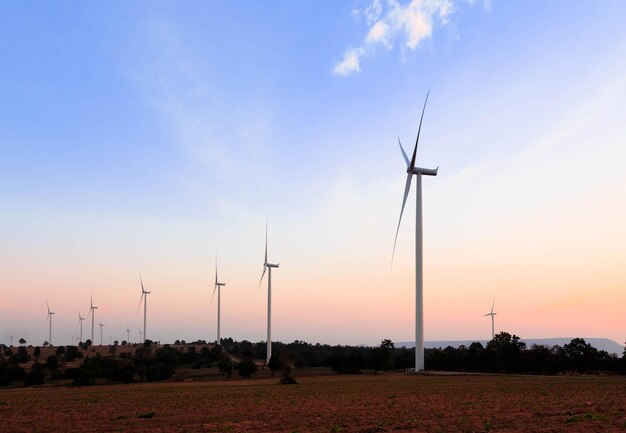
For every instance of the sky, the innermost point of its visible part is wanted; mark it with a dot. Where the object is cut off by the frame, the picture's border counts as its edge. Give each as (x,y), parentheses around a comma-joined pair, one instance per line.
(152,137)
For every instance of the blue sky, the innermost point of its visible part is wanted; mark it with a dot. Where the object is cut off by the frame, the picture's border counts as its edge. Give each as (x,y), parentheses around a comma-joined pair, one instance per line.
(149,136)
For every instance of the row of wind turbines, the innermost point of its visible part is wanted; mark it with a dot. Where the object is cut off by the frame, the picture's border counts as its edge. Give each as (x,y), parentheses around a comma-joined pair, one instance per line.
(412,171)
(92,309)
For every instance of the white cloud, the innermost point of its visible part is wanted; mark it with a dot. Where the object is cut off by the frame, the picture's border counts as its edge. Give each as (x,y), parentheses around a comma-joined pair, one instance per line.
(373,11)
(350,63)
(378,33)
(409,23)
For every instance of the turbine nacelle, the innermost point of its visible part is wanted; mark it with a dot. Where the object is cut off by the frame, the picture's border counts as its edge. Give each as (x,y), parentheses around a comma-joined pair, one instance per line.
(271,265)
(423,171)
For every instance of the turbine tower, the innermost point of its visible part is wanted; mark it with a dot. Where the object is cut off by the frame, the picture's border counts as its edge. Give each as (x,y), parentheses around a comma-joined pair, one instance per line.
(266,266)
(144,299)
(418,172)
(80,323)
(217,287)
(92,312)
(493,332)
(49,322)
(101,325)
(127,334)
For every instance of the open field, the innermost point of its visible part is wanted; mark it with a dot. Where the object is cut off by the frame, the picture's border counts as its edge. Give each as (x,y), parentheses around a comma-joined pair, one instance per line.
(393,402)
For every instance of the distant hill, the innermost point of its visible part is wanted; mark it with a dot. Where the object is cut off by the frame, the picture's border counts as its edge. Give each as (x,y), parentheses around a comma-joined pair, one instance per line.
(599,343)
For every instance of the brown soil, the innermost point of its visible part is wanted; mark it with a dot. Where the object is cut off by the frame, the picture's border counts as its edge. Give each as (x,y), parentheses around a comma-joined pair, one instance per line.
(392,402)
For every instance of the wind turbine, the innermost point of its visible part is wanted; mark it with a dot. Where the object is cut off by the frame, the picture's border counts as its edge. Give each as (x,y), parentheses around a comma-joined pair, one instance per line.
(266,266)
(101,325)
(144,299)
(218,287)
(493,333)
(80,322)
(418,172)
(92,312)
(127,334)
(49,319)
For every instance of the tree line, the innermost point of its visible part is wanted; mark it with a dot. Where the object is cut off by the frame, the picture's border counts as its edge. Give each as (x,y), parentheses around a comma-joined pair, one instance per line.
(150,362)
(505,353)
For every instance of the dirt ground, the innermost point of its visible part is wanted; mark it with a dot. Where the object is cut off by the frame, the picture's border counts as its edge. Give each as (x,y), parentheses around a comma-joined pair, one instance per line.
(368,403)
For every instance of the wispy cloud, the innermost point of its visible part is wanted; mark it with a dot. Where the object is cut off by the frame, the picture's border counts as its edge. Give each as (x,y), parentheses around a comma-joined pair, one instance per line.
(409,24)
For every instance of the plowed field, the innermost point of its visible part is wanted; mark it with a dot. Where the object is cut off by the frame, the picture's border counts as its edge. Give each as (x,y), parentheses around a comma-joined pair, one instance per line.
(392,402)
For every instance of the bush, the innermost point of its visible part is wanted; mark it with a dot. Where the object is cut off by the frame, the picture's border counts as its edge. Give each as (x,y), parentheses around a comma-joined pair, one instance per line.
(247,367)
(35,376)
(82,376)
(225,365)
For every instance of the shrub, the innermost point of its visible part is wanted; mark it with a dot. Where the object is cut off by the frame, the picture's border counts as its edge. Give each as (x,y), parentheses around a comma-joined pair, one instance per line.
(247,367)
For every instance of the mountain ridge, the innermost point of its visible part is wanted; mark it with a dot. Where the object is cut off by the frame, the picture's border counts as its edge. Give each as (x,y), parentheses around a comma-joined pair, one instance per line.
(610,346)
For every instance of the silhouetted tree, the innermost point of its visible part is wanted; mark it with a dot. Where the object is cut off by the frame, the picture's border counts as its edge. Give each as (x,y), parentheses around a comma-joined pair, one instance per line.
(37,353)
(247,367)
(35,376)
(273,364)
(225,365)
(507,349)
(22,341)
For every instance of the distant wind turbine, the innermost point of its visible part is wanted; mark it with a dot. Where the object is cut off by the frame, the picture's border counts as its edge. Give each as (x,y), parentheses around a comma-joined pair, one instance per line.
(80,323)
(144,299)
(49,322)
(217,287)
(92,312)
(266,266)
(418,172)
(101,325)
(127,333)
(492,314)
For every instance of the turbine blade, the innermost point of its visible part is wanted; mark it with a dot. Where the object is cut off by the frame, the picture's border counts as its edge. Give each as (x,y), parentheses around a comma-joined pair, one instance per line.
(407,187)
(406,158)
(266,224)
(48,305)
(216,270)
(141,281)
(412,165)
(46,322)
(262,275)
(140,301)
(492,303)
(213,295)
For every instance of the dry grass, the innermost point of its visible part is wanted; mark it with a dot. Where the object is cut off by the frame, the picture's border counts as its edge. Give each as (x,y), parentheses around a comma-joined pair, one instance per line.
(394,402)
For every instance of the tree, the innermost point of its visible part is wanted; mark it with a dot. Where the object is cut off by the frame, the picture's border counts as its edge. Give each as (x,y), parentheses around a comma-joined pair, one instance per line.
(52,362)
(72,352)
(247,367)
(580,355)
(225,366)
(22,341)
(37,353)
(274,364)
(507,349)
(35,376)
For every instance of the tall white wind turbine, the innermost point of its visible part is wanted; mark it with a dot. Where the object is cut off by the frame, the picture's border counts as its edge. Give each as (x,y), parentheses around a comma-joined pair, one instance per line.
(492,314)
(418,172)
(266,266)
(127,333)
(217,287)
(101,325)
(80,323)
(49,322)
(92,312)
(144,299)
